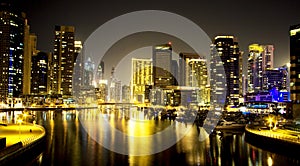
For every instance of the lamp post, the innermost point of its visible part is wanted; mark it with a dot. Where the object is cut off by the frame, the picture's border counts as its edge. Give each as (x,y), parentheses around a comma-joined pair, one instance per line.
(20,122)
(270,120)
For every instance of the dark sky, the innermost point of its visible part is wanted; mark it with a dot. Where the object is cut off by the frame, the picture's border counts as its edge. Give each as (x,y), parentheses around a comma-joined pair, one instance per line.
(256,21)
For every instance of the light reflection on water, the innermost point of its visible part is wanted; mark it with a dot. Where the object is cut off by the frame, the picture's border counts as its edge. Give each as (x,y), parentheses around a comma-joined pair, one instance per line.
(67,143)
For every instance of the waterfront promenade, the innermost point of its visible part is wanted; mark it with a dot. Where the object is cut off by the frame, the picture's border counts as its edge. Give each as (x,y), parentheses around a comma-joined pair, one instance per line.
(25,133)
(281,141)
(281,134)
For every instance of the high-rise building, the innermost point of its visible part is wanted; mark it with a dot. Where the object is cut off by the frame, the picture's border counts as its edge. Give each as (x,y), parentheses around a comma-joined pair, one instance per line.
(78,71)
(197,77)
(100,72)
(218,87)
(39,77)
(126,93)
(30,42)
(295,63)
(142,79)
(241,92)
(260,59)
(63,60)
(88,73)
(162,65)
(184,67)
(275,78)
(12,34)
(228,49)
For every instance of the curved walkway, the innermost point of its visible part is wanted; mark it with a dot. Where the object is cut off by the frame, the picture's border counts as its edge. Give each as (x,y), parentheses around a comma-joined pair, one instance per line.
(282,134)
(25,133)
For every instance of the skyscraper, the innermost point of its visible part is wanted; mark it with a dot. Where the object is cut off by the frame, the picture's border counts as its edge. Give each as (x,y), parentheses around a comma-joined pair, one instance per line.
(228,49)
(78,71)
(275,78)
(162,65)
(260,59)
(295,62)
(12,34)
(63,60)
(142,72)
(197,77)
(184,67)
(39,74)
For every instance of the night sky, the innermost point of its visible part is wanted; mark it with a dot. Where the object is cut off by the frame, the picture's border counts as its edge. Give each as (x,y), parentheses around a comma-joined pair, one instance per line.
(256,21)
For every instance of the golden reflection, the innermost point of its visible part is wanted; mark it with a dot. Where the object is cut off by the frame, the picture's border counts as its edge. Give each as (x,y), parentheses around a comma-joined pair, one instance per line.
(140,128)
(270,161)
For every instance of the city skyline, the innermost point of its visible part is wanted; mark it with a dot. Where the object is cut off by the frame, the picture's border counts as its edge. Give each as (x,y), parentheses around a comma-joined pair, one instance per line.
(252,22)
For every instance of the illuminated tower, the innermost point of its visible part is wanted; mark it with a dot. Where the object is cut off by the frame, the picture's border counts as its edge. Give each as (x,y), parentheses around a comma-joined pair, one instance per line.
(63,60)
(78,71)
(141,80)
(197,77)
(162,65)
(228,49)
(260,59)
(12,29)
(184,67)
(295,63)
(39,74)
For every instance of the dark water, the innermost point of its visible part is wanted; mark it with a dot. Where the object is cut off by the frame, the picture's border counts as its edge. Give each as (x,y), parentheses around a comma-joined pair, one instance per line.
(68,143)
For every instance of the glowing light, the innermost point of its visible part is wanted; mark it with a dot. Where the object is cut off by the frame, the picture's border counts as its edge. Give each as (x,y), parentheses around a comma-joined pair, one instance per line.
(256,47)
(170,43)
(293,32)
(270,161)
(19,121)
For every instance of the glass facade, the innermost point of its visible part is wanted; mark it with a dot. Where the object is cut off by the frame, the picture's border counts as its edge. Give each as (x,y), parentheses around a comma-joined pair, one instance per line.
(228,50)
(12,31)
(295,63)
(63,60)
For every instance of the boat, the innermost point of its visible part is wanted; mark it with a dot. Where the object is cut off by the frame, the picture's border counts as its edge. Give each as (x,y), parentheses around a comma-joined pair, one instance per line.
(230,125)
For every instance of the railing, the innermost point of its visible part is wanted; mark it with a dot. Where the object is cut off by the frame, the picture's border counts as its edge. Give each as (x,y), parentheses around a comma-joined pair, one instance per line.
(275,135)
(28,141)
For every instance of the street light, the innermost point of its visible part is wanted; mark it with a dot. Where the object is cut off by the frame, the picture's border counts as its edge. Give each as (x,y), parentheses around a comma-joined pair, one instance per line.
(20,122)
(270,120)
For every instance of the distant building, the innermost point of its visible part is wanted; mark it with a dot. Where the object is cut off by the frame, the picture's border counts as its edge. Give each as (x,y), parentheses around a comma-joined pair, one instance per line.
(39,77)
(241,75)
(218,87)
(115,91)
(197,77)
(162,65)
(228,49)
(63,60)
(275,78)
(115,88)
(295,63)
(78,71)
(184,67)
(126,94)
(260,59)
(142,79)
(100,72)
(102,91)
(88,73)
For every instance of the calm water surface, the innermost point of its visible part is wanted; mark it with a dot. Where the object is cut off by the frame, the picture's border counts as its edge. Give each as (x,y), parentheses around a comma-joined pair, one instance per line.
(68,143)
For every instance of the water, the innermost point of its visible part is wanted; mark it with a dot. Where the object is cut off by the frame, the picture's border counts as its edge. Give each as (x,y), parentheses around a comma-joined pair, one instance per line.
(68,143)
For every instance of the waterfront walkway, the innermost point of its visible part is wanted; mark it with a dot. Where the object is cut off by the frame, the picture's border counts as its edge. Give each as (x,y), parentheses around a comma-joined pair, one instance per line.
(25,133)
(282,134)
